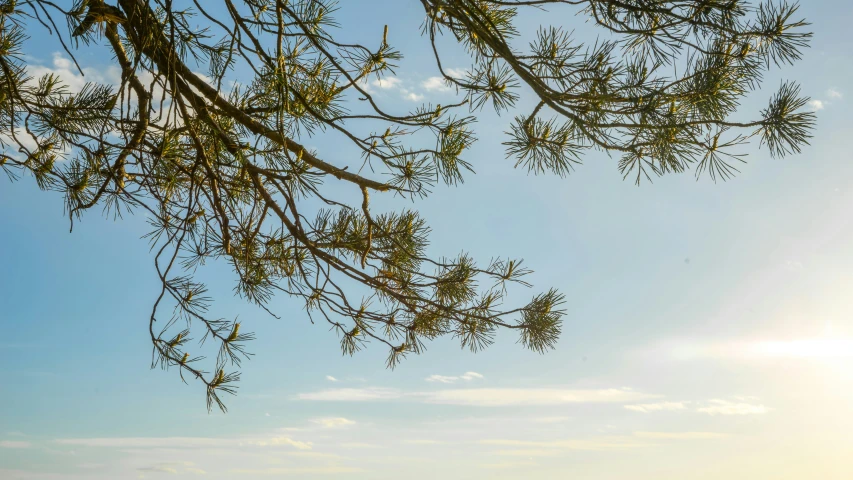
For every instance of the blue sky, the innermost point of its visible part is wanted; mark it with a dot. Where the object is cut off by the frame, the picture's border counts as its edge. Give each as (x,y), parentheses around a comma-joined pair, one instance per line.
(708,335)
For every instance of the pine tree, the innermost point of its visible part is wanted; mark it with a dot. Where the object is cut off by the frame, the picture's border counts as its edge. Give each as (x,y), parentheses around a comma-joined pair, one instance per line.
(219,169)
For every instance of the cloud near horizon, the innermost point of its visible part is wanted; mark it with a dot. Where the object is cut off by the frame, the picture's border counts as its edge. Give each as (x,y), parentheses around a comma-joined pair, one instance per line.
(606,443)
(14,444)
(467,376)
(481,397)
(680,435)
(725,407)
(657,407)
(183,442)
(333,422)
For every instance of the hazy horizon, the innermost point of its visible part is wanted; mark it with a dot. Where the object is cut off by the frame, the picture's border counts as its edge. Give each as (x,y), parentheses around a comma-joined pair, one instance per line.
(708,334)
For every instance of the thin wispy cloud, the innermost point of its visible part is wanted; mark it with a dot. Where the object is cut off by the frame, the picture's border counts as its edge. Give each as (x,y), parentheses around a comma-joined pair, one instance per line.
(333,422)
(158,469)
(183,442)
(550,419)
(358,445)
(816,105)
(657,407)
(529,452)
(725,407)
(680,435)
(793,265)
(467,376)
(505,465)
(351,395)
(329,470)
(281,441)
(498,397)
(607,443)
(147,442)
(748,398)
(14,444)
(834,94)
(423,442)
(172,468)
(331,378)
(482,397)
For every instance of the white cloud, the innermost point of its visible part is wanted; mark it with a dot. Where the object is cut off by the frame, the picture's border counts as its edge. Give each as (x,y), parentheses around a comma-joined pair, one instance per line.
(439,84)
(725,407)
(331,378)
(435,84)
(390,84)
(679,435)
(467,376)
(333,422)
(14,444)
(194,470)
(371,85)
(26,139)
(657,407)
(409,95)
(816,105)
(63,68)
(386,83)
(834,93)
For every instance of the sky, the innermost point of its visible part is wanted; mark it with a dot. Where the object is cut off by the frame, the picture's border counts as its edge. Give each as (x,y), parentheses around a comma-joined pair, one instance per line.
(708,332)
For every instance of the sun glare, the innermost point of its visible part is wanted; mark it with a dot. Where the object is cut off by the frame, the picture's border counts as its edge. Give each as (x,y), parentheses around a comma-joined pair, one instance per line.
(805,348)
